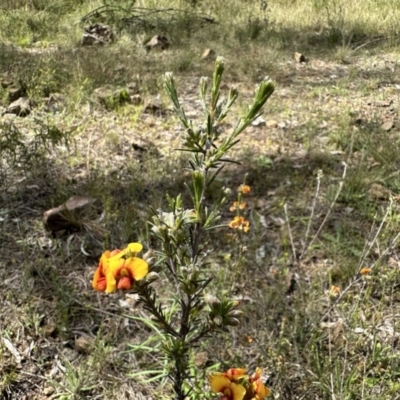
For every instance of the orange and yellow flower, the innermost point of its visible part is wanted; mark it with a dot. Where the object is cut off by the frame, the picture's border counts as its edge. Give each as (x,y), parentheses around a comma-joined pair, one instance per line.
(365,271)
(335,291)
(240,223)
(230,390)
(235,384)
(227,384)
(236,205)
(119,269)
(244,189)
(259,389)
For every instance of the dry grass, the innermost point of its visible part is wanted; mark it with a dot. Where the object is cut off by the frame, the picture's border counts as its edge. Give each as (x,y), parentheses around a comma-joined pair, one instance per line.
(328,111)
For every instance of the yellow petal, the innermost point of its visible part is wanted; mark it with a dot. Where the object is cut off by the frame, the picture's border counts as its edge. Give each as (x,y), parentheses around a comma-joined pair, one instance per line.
(260,390)
(111,282)
(218,382)
(112,271)
(137,267)
(115,264)
(135,247)
(238,391)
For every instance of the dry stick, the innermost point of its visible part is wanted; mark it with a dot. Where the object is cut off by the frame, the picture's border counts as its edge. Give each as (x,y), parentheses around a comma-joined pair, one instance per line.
(369,248)
(314,204)
(329,210)
(290,232)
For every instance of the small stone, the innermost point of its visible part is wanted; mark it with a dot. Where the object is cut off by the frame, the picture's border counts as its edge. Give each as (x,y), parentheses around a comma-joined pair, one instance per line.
(133,88)
(14,93)
(208,54)
(152,106)
(136,99)
(300,58)
(282,125)
(200,359)
(387,126)
(84,344)
(70,354)
(48,391)
(271,124)
(259,122)
(157,42)
(49,329)
(20,107)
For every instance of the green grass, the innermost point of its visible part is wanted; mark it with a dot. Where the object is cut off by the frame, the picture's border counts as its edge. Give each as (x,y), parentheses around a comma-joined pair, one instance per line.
(329,111)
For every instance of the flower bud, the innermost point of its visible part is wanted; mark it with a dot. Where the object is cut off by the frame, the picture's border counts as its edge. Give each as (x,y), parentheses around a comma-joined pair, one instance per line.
(234,313)
(227,191)
(231,321)
(152,277)
(212,301)
(149,254)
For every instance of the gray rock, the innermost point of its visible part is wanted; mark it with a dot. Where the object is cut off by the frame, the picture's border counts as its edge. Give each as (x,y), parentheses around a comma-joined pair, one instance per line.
(20,107)
(157,42)
(97,34)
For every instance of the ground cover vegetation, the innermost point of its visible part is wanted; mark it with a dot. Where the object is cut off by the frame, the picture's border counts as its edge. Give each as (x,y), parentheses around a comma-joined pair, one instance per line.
(309,250)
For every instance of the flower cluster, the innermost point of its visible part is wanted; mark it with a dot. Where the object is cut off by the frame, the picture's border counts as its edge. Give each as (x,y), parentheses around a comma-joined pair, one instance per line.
(244,189)
(334,291)
(119,269)
(238,221)
(235,384)
(365,271)
(236,205)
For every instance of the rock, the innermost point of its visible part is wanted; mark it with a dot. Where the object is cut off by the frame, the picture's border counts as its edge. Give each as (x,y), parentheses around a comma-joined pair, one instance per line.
(84,344)
(48,390)
(157,42)
(259,122)
(200,359)
(208,54)
(70,354)
(387,126)
(300,58)
(271,124)
(14,93)
(20,107)
(136,99)
(152,106)
(97,34)
(111,97)
(68,217)
(133,88)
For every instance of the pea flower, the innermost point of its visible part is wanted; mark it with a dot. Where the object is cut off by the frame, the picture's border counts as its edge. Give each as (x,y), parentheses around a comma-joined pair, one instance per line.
(259,389)
(119,269)
(235,384)
(335,291)
(365,271)
(240,223)
(225,383)
(236,205)
(244,189)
